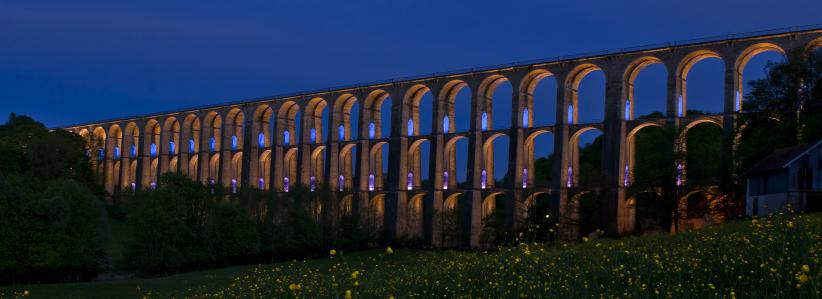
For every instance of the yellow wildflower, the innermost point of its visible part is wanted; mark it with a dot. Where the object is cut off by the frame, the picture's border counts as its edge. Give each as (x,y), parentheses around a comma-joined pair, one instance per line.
(802,278)
(389,250)
(355,274)
(348,294)
(806,269)
(333,252)
(294,287)
(790,224)
(25,293)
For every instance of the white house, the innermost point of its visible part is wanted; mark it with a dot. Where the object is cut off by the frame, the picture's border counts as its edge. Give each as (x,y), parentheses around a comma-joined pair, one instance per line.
(786,176)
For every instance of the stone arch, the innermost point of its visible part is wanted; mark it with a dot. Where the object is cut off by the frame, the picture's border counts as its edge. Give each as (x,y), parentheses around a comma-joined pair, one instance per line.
(708,168)
(262,125)
(131,146)
(372,114)
(741,62)
(529,150)
(485,101)
(627,101)
(488,160)
(414,216)
(313,121)
(450,162)
(151,146)
(170,144)
(447,100)
(682,70)
(190,146)
(376,167)
(290,170)
(114,150)
(287,122)
(376,211)
(415,162)
(630,153)
(571,85)
(212,140)
(342,115)
(526,89)
(347,165)
(264,170)
(572,174)
(813,45)
(412,100)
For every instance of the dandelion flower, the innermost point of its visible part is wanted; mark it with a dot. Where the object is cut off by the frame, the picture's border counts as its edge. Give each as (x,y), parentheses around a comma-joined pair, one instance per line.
(389,250)
(348,294)
(806,269)
(333,252)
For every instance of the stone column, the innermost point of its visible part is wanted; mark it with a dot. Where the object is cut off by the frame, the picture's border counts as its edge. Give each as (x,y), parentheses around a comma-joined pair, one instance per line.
(471,202)
(250,163)
(516,158)
(567,214)
(396,199)
(727,180)
(433,201)
(613,206)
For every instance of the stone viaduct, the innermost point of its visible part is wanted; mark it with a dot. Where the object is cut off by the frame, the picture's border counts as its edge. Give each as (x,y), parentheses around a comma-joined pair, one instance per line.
(259,143)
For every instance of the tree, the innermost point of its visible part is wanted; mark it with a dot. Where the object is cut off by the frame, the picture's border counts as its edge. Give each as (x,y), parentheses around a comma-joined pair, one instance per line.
(52,225)
(783,109)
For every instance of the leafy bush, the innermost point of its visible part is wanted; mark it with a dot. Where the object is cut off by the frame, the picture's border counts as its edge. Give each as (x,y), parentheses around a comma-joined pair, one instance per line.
(181,226)
(53,225)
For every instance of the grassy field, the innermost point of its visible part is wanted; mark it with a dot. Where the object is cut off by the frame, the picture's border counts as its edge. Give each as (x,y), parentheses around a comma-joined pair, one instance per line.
(772,257)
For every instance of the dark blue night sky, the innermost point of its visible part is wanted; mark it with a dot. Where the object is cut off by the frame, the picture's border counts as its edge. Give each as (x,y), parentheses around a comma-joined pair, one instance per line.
(69,62)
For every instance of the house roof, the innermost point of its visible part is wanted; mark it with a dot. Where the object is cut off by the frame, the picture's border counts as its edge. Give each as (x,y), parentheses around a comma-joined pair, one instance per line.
(782,158)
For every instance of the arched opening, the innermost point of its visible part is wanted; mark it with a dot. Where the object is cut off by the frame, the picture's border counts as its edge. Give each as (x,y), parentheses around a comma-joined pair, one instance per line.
(414,220)
(346,113)
(170,145)
(585,159)
(212,140)
(700,84)
(97,148)
(456,113)
(539,159)
(646,81)
(347,167)
(752,64)
(233,137)
(114,146)
(703,148)
(417,176)
(455,170)
(190,146)
(418,100)
(495,114)
(585,94)
(152,147)
(378,115)
(540,99)
(378,166)
(495,161)
(448,221)
(492,219)
(131,142)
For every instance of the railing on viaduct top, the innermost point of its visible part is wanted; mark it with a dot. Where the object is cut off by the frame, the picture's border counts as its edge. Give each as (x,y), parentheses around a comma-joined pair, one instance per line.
(694,41)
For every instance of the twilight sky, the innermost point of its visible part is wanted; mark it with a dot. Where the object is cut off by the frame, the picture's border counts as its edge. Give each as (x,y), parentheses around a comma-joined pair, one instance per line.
(66,62)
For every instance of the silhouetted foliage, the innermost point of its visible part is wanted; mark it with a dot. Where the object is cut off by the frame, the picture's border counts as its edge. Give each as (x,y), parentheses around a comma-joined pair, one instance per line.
(181,226)
(53,225)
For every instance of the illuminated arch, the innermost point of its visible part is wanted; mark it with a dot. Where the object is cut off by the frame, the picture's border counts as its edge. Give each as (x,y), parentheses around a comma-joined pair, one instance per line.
(742,61)
(682,71)
(571,85)
(629,77)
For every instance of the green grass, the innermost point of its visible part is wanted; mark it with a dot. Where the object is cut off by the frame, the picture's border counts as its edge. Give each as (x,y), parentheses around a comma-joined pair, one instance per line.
(773,257)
